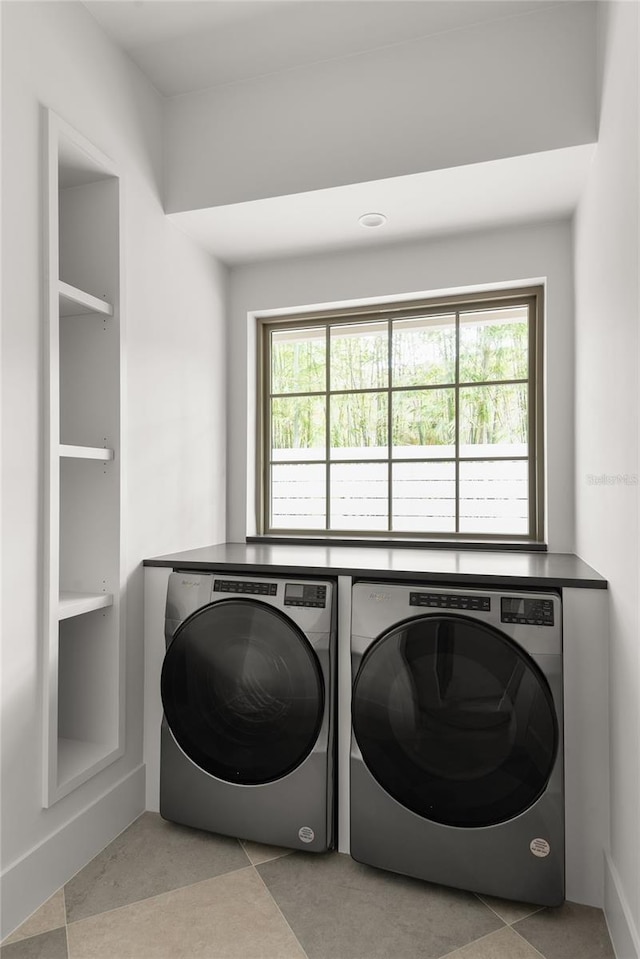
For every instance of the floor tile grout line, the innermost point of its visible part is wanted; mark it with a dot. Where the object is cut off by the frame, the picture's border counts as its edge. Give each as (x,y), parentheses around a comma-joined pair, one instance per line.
(76,873)
(533,912)
(304,951)
(473,942)
(4,942)
(490,908)
(530,944)
(167,892)
(134,901)
(280,855)
(106,846)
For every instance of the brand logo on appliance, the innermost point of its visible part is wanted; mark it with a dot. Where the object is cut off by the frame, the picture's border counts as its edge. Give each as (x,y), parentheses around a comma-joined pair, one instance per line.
(380,597)
(306,834)
(190,582)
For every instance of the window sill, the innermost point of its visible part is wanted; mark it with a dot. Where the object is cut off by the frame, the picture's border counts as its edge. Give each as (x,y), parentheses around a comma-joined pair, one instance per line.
(492,546)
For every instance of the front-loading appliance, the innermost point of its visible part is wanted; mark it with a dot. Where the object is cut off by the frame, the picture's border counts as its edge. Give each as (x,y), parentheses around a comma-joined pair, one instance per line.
(248,697)
(456,767)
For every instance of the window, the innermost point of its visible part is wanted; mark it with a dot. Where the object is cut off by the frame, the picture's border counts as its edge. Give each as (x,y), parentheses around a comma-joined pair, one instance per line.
(419,419)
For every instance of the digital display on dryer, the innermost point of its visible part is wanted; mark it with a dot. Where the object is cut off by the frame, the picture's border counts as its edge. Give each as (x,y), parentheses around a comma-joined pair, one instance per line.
(303,594)
(515,607)
(530,612)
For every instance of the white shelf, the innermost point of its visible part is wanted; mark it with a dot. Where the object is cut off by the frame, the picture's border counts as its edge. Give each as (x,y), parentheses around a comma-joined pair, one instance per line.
(86,452)
(75,604)
(75,302)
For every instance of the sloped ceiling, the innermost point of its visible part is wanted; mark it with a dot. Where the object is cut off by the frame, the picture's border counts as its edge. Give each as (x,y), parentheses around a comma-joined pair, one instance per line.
(185,46)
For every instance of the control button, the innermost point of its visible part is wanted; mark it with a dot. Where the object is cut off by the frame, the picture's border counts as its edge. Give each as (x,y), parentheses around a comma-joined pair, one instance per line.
(260,589)
(305,603)
(440,601)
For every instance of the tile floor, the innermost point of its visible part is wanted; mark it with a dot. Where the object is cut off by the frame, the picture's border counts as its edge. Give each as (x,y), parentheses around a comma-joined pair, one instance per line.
(161,891)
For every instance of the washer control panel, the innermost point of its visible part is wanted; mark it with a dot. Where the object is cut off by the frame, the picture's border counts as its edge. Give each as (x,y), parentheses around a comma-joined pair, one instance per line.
(250,586)
(529,612)
(450,601)
(305,594)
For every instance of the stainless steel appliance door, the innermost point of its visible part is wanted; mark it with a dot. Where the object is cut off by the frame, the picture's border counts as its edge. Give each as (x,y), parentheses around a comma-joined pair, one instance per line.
(455,721)
(242,691)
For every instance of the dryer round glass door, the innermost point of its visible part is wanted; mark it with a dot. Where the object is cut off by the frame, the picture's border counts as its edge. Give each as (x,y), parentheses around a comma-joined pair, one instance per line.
(455,721)
(242,691)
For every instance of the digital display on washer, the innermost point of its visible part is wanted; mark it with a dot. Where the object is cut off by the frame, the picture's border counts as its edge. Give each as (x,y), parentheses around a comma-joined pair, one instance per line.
(305,594)
(532,612)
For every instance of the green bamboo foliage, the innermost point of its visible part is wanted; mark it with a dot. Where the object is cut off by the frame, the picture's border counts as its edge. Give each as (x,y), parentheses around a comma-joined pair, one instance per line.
(421,356)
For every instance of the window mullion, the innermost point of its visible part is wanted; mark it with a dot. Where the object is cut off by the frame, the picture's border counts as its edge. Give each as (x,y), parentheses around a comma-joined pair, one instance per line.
(534,396)
(457,422)
(389,429)
(267,437)
(327,427)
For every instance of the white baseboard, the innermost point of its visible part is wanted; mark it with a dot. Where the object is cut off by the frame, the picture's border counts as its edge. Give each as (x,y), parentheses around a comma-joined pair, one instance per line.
(622,928)
(32,879)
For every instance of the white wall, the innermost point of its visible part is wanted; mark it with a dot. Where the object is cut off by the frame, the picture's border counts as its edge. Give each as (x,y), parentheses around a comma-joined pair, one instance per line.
(607,363)
(496,257)
(55,54)
(519,85)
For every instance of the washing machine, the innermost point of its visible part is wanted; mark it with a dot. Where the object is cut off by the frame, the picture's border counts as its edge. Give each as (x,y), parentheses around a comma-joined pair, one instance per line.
(248,698)
(456,766)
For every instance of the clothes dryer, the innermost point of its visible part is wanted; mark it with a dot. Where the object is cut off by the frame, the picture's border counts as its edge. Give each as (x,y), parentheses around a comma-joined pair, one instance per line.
(248,697)
(456,768)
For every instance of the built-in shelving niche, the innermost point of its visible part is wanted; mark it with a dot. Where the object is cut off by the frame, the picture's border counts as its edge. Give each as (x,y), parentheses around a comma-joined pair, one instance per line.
(87,720)
(83,655)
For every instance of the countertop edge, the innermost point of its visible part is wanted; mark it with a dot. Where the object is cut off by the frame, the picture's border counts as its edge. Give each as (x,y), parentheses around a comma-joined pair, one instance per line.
(174,561)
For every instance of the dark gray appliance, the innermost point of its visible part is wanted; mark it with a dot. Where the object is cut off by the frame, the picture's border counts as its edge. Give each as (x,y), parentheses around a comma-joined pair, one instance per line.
(456,768)
(247,739)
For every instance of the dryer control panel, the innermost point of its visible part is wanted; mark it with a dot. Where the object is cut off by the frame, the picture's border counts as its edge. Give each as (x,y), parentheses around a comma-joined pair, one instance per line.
(303,594)
(530,612)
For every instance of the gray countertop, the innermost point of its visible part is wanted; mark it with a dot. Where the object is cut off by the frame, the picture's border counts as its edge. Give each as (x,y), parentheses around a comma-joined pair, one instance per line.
(425,565)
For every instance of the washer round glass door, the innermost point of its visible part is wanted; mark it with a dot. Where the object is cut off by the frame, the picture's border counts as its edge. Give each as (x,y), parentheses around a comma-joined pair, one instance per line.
(242,691)
(455,721)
